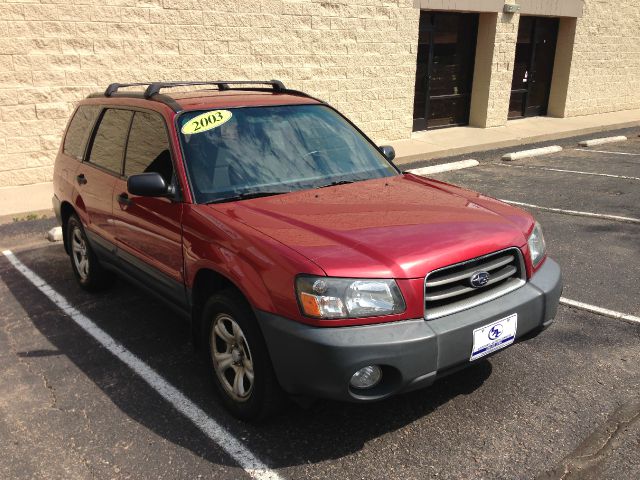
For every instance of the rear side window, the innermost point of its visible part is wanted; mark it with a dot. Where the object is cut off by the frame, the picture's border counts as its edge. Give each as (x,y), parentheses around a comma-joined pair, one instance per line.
(79,129)
(148,147)
(107,150)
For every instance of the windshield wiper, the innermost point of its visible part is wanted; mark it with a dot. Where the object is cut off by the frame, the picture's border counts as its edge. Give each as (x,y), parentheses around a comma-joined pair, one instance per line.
(247,196)
(333,184)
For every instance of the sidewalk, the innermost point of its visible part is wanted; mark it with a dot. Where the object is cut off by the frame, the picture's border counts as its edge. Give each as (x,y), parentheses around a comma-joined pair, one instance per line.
(448,142)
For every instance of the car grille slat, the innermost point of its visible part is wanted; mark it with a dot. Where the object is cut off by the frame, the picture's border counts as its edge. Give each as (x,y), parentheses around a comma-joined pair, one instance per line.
(454,277)
(448,290)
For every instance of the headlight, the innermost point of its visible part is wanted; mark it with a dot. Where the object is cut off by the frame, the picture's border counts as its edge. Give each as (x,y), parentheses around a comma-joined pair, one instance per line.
(325,297)
(537,247)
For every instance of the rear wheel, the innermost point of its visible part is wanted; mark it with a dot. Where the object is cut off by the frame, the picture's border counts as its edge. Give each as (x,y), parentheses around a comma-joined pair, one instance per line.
(85,265)
(242,370)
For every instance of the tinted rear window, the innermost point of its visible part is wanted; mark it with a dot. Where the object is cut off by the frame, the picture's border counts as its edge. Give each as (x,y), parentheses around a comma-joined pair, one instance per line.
(79,129)
(107,150)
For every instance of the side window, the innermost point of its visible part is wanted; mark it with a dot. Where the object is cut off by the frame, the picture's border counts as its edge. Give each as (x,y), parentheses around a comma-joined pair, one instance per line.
(107,150)
(79,129)
(148,147)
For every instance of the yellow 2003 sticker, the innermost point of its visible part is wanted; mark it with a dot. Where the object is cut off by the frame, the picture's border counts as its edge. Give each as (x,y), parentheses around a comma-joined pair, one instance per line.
(206,121)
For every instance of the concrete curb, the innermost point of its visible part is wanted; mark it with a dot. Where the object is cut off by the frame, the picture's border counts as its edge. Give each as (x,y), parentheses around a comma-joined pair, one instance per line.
(445,167)
(515,142)
(536,152)
(602,141)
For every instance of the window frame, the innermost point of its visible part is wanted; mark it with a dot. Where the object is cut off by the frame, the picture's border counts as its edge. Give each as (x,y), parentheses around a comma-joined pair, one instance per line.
(176,125)
(89,138)
(177,195)
(167,135)
(90,144)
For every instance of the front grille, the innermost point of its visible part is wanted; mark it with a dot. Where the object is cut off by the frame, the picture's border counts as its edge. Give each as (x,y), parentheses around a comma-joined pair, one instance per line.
(448,290)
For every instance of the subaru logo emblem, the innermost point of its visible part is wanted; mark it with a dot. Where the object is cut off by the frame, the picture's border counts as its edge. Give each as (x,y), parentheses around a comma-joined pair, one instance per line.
(495,332)
(479,279)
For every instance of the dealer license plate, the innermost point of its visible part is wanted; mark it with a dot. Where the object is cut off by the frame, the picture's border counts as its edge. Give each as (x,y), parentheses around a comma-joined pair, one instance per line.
(494,336)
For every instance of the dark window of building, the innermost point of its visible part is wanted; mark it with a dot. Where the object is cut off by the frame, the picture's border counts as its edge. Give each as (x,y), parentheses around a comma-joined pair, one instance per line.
(148,147)
(444,71)
(107,150)
(533,67)
(79,129)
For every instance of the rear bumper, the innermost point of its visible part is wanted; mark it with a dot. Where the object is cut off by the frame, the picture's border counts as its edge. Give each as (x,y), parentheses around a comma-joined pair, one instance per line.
(319,362)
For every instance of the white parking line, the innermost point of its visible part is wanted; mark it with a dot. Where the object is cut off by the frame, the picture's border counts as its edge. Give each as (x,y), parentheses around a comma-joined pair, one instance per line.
(599,310)
(575,212)
(567,171)
(604,151)
(444,167)
(212,429)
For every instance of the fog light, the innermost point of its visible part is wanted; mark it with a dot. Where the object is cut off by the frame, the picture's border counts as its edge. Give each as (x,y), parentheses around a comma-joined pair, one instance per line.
(366,377)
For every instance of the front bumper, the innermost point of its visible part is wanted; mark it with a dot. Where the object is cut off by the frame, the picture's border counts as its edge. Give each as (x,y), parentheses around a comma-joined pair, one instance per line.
(319,362)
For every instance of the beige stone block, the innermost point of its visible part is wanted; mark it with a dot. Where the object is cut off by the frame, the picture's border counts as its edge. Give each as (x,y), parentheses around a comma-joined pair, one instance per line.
(77,46)
(50,142)
(48,78)
(59,30)
(18,112)
(7,178)
(52,111)
(74,13)
(135,15)
(24,29)
(41,12)
(106,14)
(12,161)
(191,47)
(165,47)
(11,11)
(21,145)
(107,46)
(16,79)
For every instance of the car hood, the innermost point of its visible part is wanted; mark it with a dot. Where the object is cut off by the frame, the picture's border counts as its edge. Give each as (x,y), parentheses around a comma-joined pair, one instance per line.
(398,227)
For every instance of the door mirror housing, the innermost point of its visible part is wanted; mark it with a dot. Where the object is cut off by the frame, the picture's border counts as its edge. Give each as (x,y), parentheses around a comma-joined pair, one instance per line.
(389,152)
(150,184)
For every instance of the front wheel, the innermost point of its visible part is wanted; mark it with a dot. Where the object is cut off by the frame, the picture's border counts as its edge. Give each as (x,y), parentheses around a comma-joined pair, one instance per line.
(243,374)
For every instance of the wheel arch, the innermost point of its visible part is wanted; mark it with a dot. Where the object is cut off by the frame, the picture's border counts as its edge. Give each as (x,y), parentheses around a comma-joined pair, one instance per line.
(207,282)
(66,210)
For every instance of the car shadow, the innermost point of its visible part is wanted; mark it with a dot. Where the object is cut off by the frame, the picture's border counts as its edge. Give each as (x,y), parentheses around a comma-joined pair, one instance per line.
(322,431)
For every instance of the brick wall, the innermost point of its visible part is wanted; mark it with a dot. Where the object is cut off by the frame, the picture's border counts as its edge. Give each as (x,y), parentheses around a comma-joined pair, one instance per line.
(357,54)
(605,71)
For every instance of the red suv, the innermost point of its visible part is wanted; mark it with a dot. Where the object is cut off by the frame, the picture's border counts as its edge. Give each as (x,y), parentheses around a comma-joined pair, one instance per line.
(306,262)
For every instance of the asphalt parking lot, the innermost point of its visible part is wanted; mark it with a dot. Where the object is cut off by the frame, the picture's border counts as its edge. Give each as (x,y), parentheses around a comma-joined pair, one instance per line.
(564,405)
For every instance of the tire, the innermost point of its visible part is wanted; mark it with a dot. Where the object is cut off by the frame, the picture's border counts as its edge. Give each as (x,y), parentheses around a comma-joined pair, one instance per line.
(241,367)
(86,267)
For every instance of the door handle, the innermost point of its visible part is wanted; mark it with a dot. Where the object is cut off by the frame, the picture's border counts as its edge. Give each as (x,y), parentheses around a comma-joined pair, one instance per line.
(81,179)
(123,199)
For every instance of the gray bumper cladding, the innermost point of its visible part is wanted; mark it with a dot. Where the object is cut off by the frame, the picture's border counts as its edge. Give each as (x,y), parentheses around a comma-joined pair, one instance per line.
(319,362)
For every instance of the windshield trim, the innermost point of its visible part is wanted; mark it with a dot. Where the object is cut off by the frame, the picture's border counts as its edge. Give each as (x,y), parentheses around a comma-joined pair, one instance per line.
(176,125)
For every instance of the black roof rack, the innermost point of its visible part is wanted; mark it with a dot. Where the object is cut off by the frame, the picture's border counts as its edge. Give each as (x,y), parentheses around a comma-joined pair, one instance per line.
(155,87)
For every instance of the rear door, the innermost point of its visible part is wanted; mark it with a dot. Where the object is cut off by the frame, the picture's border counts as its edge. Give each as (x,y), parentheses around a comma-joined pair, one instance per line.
(148,230)
(97,175)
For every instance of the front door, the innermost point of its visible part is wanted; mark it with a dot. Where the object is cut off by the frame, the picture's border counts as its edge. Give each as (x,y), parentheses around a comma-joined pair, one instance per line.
(533,68)
(149,230)
(444,70)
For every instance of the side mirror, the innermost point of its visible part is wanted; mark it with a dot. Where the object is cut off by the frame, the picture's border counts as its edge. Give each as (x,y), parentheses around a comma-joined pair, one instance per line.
(389,152)
(149,184)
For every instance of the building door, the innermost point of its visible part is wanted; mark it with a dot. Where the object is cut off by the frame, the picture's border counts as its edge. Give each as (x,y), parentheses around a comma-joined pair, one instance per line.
(533,68)
(444,73)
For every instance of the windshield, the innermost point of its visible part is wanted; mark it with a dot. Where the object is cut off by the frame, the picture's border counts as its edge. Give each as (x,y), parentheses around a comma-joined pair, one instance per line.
(243,152)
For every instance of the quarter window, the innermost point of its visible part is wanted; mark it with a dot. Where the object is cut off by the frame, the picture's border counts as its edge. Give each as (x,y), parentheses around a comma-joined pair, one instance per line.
(107,150)
(148,147)
(79,129)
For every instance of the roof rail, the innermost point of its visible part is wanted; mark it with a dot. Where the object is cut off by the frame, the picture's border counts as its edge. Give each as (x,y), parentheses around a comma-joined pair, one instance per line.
(155,88)
(113,88)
